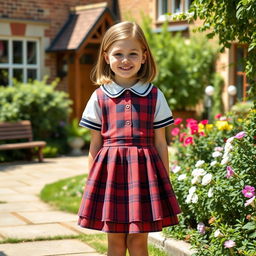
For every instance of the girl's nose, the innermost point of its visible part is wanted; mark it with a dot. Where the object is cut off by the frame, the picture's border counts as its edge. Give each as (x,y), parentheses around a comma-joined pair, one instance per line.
(125,59)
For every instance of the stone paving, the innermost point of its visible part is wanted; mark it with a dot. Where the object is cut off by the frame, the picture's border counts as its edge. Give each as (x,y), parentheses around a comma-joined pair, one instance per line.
(24,216)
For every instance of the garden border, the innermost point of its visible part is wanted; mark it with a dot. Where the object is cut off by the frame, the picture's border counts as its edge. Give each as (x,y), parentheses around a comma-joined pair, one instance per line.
(171,246)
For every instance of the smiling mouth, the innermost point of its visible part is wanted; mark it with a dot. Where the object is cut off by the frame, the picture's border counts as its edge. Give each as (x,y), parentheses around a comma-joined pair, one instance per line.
(126,68)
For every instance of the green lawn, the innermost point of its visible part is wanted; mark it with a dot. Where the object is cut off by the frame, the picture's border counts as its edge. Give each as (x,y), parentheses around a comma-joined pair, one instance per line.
(66,195)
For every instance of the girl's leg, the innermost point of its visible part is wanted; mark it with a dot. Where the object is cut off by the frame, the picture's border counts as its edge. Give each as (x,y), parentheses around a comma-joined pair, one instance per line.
(117,244)
(137,244)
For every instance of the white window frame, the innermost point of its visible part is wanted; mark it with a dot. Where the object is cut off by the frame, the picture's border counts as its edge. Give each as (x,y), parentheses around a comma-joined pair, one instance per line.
(161,16)
(173,10)
(187,5)
(24,66)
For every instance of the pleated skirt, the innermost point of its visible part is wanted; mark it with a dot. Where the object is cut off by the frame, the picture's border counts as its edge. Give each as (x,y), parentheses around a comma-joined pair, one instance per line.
(128,191)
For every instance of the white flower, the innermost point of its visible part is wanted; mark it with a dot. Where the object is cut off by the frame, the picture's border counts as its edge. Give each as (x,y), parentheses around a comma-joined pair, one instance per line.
(216,154)
(218,149)
(196,179)
(224,160)
(199,163)
(228,147)
(226,154)
(223,118)
(250,202)
(213,163)
(229,140)
(188,199)
(207,179)
(176,169)
(198,172)
(217,233)
(194,198)
(182,177)
(210,192)
(192,190)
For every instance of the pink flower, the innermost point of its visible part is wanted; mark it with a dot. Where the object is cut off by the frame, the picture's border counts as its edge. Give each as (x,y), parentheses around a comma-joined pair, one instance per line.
(201,228)
(230,172)
(188,141)
(240,135)
(177,121)
(202,133)
(229,244)
(218,116)
(248,191)
(193,128)
(182,136)
(250,202)
(175,131)
(191,122)
(204,122)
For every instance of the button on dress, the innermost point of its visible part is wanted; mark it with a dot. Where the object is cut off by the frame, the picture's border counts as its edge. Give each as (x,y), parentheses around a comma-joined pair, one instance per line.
(128,189)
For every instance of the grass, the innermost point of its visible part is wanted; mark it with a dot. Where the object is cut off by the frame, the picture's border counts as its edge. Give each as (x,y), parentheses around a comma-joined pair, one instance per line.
(66,195)
(20,240)
(99,243)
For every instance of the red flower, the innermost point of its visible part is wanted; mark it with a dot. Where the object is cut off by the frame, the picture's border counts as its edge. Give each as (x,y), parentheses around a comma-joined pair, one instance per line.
(182,136)
(218,116)
(204,122)
(193,128)
(177,121)
(191,122)
(175,131)
(188,141)
(202,133)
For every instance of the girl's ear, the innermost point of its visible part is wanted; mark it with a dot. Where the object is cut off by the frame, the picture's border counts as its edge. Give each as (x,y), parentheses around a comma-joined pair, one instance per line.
(106,57)
(144,57)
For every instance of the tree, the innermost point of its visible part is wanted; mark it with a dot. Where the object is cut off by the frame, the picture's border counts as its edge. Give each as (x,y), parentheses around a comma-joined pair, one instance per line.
(230,20)
(185,67)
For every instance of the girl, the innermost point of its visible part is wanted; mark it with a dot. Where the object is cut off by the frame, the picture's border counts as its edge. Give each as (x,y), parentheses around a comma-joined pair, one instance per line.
(128,191)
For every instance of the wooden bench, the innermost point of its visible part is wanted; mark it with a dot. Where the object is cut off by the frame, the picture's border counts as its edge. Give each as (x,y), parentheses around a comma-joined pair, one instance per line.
(16,131)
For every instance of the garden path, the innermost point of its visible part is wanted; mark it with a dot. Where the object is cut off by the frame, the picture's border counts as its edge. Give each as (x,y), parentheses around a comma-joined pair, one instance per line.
(24,216)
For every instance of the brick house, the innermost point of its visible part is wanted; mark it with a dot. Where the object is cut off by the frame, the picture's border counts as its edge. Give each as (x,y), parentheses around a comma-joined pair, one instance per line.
(61,39)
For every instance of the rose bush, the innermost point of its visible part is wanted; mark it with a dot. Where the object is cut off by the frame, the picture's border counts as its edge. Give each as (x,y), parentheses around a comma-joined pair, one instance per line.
(214,176)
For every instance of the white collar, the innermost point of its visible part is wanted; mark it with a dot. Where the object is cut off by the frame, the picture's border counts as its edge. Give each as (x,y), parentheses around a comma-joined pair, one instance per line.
(113,90)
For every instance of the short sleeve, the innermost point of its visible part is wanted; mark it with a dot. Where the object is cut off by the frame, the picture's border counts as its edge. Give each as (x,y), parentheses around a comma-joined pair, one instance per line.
(163,115)
(91,117)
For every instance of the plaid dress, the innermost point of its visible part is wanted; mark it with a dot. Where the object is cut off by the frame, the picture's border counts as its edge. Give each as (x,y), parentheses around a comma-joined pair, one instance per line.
(128,189)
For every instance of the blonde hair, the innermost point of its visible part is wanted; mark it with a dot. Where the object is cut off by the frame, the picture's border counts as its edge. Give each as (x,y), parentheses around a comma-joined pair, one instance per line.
(102,74)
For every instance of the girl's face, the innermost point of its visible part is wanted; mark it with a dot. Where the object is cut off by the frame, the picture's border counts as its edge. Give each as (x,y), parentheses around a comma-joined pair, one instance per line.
(125,58)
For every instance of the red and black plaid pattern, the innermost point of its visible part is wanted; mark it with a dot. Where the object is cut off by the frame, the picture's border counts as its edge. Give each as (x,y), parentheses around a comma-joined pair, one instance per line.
(128,189)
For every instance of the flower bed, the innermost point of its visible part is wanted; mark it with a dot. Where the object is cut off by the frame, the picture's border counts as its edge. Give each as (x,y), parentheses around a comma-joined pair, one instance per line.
(214,177)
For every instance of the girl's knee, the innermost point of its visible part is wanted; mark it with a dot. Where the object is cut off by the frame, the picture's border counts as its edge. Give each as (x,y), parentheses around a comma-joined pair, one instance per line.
(117,244)
(137,241)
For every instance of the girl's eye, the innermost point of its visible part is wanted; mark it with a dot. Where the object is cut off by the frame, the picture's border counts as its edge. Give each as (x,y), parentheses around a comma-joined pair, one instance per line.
(133,54)
(118,54)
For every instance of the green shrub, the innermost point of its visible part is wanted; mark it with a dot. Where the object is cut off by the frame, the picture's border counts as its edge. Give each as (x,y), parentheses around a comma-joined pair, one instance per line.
(214,163)
(46,108)
(185,66)
(38,102)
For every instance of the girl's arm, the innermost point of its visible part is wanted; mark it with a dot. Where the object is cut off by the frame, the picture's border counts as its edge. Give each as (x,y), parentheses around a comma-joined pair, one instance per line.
(95,146)
(161,146)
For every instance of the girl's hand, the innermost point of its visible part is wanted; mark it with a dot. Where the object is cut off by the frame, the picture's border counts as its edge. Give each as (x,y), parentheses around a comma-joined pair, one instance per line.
(161,146)
(95,146)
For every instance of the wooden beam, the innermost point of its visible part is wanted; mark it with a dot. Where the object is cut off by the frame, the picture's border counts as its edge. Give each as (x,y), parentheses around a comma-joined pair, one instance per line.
(77,87)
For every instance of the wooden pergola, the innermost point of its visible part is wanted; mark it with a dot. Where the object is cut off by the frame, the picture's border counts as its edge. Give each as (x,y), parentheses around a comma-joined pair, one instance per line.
(76,48)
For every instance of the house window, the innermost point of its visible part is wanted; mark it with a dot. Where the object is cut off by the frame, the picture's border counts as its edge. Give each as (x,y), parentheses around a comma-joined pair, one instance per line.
(187,5)
(163,8)
(19,60)
(176,6)
(241,80)
(172,6)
